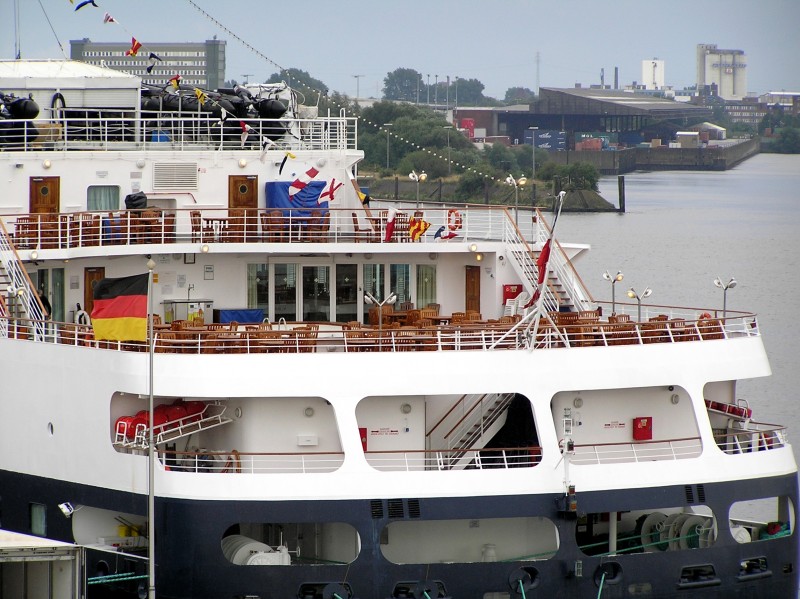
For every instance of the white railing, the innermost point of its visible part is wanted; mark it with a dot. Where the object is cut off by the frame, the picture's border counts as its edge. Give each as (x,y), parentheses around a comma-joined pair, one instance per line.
(639,451)
(216,462)
(752,437)
(124,130)
(91,229)
(454,459)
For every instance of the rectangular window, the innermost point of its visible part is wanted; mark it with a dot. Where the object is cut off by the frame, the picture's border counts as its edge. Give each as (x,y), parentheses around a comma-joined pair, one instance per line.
(258,287)
(426,285)
(399,281)
(38,513)
(102,197)
(346,292)
(286,292)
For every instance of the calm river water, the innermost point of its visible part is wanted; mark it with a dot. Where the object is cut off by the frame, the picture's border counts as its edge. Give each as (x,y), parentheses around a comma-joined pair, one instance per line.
(683,229)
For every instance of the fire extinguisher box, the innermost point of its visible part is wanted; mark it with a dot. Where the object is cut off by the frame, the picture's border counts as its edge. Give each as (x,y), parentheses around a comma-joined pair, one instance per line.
(511,291)
(643,428)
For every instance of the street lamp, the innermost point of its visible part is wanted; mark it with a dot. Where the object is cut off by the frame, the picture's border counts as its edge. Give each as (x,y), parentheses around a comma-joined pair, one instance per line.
(533,162)
(428,89)
(370,299)
(725,286)
(358,80)
(448,127)
(516,183)
(386,126)
(633,295)
(417,178)
(614,280)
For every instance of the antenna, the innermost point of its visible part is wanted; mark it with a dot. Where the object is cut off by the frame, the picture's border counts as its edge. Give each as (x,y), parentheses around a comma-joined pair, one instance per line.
(17,51)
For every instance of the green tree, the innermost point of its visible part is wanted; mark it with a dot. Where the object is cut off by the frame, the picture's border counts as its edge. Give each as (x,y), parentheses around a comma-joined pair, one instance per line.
(788,141)
(402,84)
(302,82)
(519,95)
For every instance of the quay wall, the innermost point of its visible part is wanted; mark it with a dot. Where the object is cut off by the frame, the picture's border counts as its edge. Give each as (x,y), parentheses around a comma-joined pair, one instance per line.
(618,162)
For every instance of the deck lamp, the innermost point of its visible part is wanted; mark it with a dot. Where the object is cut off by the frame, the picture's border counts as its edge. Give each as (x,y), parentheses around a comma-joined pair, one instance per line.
(370,299)
(633,295)
(725,286)
(417,178)
(614,280)
(516,183)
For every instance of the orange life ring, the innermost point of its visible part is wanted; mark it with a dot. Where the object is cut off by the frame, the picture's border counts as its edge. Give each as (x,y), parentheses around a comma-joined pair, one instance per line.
(705,316)
(453,219)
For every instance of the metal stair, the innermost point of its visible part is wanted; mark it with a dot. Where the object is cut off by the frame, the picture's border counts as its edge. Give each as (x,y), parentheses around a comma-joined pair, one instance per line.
(485,416)
(21,307)
(563,289)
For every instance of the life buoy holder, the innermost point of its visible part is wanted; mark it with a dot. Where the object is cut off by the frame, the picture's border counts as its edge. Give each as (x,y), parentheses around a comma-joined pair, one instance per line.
(453,219)
(82,317)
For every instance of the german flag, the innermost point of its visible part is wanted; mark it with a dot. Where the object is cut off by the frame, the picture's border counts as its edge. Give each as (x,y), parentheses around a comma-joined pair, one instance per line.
(120,309)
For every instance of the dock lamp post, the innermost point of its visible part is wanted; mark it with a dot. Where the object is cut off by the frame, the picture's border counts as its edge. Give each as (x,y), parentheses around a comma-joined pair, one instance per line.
(370,299)
(533,131)
(386,126)
(633,295)
(725,286)
(448,127)
(614,280)
(417,178)
(516,184)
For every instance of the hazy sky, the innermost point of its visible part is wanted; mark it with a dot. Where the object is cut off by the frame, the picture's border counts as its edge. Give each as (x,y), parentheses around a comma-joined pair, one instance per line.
(494,41)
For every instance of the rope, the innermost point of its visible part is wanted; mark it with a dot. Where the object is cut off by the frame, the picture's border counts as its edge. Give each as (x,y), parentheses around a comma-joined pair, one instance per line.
(114,578)
(602,580)
(378,126)
(521,588)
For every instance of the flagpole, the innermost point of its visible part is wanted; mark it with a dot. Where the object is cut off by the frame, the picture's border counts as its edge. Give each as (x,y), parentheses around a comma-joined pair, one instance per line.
(540,302)
(151,502)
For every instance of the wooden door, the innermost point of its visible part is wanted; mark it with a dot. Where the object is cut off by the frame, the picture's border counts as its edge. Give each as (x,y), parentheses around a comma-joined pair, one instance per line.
(91,277)
(243,193)
(45,195)
(472,298)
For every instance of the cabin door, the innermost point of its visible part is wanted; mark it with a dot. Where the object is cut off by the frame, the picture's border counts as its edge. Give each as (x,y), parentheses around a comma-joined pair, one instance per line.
(91,277)
(45,195)
(472,298)
(243,194)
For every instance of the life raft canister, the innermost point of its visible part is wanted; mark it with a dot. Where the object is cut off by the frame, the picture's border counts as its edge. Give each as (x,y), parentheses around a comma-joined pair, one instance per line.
(453,219)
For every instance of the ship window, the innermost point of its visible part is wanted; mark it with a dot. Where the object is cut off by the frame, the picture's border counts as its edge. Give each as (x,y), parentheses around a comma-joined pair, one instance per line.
(399,281)
(38,514)
(102,197)
(762,519)
(432,541)
(426,284)
(646,531)
(258,287)
(291,544)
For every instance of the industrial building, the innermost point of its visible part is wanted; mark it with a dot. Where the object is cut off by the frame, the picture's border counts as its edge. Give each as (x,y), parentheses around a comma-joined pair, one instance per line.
(624,117)
(201,64)
(724,69)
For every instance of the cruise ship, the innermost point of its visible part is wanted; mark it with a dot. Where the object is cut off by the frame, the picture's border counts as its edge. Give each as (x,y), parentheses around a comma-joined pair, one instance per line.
(340,399)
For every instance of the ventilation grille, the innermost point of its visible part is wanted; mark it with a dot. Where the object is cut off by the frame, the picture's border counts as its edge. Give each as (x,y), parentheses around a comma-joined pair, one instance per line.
(701,493)
(687,489)
(376,509)
(396,508)
(170,176)
(413,508)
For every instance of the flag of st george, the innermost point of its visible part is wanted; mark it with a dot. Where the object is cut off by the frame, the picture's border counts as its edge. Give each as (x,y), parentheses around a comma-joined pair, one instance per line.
(120,309)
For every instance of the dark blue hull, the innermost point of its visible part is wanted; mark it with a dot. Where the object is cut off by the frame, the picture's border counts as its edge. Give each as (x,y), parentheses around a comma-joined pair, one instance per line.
(191,565)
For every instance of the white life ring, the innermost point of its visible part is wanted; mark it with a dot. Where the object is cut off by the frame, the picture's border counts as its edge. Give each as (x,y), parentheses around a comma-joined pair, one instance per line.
(82,317)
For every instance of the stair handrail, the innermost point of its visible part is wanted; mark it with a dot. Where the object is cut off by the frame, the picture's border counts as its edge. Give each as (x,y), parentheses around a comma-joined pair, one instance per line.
(20,284)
